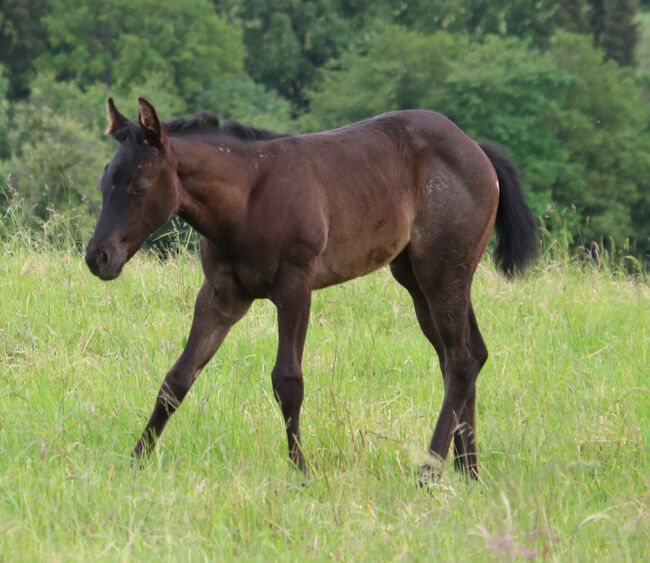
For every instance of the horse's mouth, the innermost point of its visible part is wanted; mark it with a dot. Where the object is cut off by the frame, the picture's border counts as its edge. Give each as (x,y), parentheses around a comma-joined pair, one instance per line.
(104,272)
(107,275)
(105,262)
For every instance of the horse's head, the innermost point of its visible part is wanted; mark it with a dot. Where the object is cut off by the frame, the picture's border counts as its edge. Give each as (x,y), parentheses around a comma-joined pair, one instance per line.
(140,190)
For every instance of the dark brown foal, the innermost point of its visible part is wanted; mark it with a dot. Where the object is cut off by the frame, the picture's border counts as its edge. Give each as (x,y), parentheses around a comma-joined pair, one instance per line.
(284,215)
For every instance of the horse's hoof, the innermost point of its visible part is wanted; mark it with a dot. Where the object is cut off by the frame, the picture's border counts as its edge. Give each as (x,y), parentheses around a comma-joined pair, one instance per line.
(138,457)
(137,462)
(429,476)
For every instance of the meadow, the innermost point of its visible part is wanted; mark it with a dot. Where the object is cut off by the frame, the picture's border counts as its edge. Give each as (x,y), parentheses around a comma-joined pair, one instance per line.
(563,415)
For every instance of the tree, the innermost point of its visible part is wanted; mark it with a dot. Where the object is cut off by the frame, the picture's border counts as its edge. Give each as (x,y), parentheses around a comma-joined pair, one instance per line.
(58,146)
(620,35)
(287,41)
(87,105)
(118,43)
(55,163)
(614,28)
(240,97)
(395,69)
(4,125)
(535,19)
(643,53)
(597,14)
(605,130)
(22,38)
(573,16)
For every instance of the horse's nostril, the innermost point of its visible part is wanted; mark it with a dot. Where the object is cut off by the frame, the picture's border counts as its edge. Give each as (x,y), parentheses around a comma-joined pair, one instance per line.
(102,257)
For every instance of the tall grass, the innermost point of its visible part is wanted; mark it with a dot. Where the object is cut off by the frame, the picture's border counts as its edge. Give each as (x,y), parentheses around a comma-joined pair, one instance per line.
(563,416)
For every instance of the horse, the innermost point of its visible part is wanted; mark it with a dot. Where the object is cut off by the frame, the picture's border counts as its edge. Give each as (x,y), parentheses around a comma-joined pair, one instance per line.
(283,215)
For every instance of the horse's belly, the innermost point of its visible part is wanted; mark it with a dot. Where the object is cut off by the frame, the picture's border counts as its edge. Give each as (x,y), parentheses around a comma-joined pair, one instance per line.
(348,258)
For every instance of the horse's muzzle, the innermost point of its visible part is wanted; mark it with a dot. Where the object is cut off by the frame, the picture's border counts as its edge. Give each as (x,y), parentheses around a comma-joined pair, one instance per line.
(105,259)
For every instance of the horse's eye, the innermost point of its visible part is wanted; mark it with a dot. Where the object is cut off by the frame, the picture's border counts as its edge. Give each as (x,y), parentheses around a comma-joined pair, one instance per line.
(141,188)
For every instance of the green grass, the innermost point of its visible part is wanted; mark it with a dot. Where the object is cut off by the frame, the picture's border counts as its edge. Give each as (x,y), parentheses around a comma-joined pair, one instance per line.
(563,413)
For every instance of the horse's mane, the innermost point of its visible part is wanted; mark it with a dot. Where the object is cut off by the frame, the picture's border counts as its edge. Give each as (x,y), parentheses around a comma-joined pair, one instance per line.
(207,123)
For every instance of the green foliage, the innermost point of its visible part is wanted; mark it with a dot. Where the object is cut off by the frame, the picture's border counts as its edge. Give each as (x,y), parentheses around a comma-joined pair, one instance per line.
(4,122)
(287,41)
(22,38)
(239,97)
(57,152)
(643,53)
(120,43)
(535,20)
(573,16)
(620,35)
(611,22)
(504,91)
(604,128)
(65,99)
(597,16)
(56,168)
(395,69)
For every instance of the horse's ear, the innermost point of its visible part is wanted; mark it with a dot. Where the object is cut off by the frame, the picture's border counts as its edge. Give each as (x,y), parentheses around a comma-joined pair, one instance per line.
(115,119)
(149,121)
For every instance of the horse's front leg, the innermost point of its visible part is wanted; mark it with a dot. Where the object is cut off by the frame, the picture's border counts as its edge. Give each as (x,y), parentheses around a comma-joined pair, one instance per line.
(292,297)
(214,315)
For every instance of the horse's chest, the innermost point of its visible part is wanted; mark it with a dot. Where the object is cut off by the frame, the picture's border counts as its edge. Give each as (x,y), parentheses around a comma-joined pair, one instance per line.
(226,273)
(255,279)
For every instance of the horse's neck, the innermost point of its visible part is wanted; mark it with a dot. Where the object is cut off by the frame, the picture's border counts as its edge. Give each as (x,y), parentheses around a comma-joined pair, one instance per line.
(215,185)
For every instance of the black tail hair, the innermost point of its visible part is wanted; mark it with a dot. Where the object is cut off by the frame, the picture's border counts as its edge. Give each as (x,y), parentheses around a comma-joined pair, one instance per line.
(517,239)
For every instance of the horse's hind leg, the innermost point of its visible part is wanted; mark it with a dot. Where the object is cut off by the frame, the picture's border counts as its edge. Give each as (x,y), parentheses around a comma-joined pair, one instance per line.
(464,428)
(464,358)
(446,289)
(401,269)
(464,434)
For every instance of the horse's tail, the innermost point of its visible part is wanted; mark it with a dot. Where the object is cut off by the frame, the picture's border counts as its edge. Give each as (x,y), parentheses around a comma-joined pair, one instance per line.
(517,239)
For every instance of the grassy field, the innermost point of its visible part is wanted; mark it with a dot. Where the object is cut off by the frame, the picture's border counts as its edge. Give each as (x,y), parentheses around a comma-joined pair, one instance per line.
(563,412)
